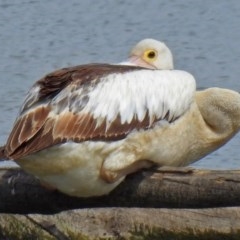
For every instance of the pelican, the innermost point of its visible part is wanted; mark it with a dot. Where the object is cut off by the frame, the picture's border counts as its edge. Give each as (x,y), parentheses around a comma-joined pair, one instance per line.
(82,129)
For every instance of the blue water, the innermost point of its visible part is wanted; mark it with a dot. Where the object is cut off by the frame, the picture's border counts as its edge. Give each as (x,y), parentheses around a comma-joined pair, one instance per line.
(37,37)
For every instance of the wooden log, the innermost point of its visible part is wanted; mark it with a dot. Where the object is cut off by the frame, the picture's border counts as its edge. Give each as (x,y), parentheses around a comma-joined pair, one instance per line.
(178,188)
(124,223)
(137,209)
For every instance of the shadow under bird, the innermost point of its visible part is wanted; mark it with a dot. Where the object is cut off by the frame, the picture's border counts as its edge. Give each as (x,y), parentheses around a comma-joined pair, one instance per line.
(82,129)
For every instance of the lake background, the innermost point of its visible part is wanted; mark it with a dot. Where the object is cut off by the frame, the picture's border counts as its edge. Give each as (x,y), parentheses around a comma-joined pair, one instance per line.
(37,37)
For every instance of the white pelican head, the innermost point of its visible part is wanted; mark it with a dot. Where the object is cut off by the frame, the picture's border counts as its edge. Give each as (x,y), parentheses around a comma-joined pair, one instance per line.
(150,53)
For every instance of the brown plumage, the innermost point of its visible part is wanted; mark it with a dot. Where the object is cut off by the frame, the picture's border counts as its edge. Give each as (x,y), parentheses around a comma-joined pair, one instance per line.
(54,82)
(38,128)
(2,152)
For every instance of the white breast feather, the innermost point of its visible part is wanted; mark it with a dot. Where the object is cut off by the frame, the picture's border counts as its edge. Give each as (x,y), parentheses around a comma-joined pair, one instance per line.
(132,94)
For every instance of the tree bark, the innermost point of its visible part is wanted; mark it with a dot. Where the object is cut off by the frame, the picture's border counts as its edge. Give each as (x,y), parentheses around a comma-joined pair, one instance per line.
(125,223)
(168,187)
(197,203)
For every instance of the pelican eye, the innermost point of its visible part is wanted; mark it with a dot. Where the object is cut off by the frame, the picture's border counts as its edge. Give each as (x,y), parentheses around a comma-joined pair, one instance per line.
(150,55)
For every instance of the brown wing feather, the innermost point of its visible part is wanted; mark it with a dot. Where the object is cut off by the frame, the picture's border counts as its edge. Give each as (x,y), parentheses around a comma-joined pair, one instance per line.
(72,127)
(2,153)
(25,128)
(54,82)
(38,127)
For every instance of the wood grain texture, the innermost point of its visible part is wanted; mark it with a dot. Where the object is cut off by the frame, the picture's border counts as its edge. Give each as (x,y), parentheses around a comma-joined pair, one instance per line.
(166,187)
(169,203)
(124,223)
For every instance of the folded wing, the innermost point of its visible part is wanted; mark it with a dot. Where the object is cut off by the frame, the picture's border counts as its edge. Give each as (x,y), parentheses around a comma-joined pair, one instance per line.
(97,102)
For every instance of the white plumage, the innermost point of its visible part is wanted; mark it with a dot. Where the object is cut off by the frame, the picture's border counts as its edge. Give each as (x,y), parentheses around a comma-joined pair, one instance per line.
(132,94)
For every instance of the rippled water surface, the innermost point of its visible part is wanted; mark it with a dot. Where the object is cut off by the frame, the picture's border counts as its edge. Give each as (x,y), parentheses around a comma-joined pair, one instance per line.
(37,37)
